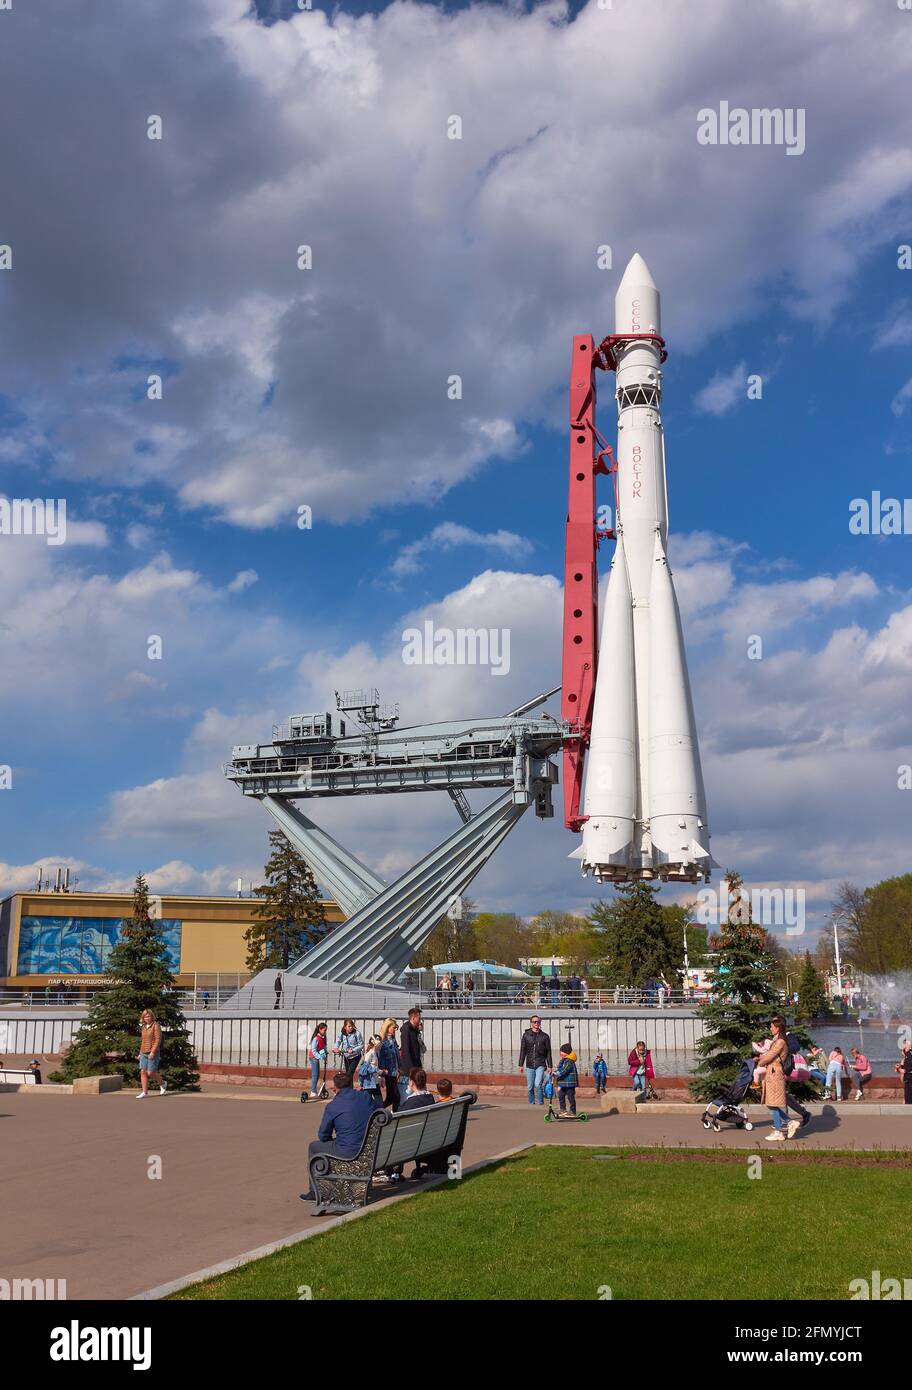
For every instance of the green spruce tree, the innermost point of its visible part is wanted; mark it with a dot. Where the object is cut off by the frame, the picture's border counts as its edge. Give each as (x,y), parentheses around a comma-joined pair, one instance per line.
(742,997)
(812,1000)
(291,915)
(107,1043)
(637,938)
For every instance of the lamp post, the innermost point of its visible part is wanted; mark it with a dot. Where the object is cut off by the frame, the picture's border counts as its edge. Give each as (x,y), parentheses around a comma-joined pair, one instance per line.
(838,959)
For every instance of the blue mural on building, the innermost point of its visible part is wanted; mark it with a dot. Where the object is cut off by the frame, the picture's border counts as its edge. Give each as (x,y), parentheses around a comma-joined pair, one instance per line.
(81,945)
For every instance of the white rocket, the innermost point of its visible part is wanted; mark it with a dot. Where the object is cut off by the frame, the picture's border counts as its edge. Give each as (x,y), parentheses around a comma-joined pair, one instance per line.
(644,798)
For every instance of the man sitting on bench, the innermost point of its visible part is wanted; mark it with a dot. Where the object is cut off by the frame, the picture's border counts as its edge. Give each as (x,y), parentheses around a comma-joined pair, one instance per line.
(344,1124)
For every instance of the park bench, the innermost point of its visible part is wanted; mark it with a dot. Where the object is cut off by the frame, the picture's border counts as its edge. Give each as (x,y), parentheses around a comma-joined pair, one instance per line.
(431,1134)
(17,1077)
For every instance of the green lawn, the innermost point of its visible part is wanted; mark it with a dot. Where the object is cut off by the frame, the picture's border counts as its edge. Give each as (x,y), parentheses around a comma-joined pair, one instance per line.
(563,1222)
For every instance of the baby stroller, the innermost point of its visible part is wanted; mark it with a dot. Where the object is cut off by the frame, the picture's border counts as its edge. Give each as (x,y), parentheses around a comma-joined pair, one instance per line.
(728,1109)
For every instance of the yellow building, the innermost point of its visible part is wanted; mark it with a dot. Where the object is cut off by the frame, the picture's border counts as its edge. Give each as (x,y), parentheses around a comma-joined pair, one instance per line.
(63,938)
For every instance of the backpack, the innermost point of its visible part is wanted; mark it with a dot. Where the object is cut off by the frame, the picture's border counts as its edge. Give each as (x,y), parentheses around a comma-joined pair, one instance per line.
(793,1044)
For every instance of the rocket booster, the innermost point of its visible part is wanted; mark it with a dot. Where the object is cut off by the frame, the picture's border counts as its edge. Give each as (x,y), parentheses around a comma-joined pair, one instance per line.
(644,803)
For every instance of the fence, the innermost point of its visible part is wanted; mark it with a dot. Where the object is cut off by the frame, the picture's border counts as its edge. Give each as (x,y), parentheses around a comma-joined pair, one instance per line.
(456,1041)
(545,995)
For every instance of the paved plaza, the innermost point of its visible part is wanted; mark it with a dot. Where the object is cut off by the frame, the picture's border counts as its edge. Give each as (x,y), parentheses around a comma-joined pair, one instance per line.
(78,1202)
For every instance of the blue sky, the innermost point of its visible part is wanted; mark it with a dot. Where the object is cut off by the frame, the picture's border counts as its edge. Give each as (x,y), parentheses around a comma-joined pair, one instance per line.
(328,388)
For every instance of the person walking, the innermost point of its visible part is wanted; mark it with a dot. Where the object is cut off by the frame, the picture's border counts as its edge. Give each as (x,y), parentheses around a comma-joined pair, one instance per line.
(470,990)
(600,1073)
(278,987)
(317,1052)
(150,1041)
(903,1068)
(800,1072)
(773,1093)
(349,1045)
(535,1059)
(388,1058)
(343,1124)
(836,1070)
(863,1071)
(411,1049)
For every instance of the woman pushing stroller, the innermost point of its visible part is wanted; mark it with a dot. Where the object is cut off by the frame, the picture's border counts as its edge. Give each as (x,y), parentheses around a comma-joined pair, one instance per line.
(774,1092)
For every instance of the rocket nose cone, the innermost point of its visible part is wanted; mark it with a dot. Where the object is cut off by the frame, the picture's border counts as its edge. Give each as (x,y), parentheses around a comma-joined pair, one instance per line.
(636,303)
(637,273)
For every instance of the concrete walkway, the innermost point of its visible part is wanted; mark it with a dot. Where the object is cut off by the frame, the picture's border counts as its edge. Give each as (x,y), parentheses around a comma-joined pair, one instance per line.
(79,1203)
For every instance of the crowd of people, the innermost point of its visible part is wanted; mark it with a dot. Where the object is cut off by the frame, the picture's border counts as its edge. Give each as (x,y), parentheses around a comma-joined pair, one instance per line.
(389,1073)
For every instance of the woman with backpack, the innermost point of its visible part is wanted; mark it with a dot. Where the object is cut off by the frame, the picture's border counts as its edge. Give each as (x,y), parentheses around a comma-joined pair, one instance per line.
(349,1046)
(774,1061)
(317,1057)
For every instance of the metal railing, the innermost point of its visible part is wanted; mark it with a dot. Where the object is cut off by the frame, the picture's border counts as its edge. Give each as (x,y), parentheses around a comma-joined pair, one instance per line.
(295,997)
(544,997)
(78,998)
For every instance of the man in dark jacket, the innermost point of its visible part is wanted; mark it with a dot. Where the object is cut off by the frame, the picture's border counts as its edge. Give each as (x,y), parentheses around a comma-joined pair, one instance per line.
(535,1059)
(343,1124)
(411,1050)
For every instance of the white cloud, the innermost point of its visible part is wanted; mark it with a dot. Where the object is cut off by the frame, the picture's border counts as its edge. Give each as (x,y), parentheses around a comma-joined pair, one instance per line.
(86,533)
(329,387)
(447,536)
(723,391)
(898,332)
(242,580)
(139,536)
(902,399)
(176,876)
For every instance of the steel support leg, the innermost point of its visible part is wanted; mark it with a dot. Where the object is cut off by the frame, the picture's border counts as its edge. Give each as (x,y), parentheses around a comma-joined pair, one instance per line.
(394,957)
(381,937)
(351,883)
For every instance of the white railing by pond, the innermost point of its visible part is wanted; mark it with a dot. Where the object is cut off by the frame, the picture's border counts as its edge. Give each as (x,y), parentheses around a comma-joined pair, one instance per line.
(457,1041)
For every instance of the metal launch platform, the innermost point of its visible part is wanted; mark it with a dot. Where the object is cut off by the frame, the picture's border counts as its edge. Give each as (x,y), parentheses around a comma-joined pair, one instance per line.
(359,751)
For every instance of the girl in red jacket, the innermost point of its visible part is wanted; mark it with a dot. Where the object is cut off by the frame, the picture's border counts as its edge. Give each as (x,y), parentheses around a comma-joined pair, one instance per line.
(639,1066)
